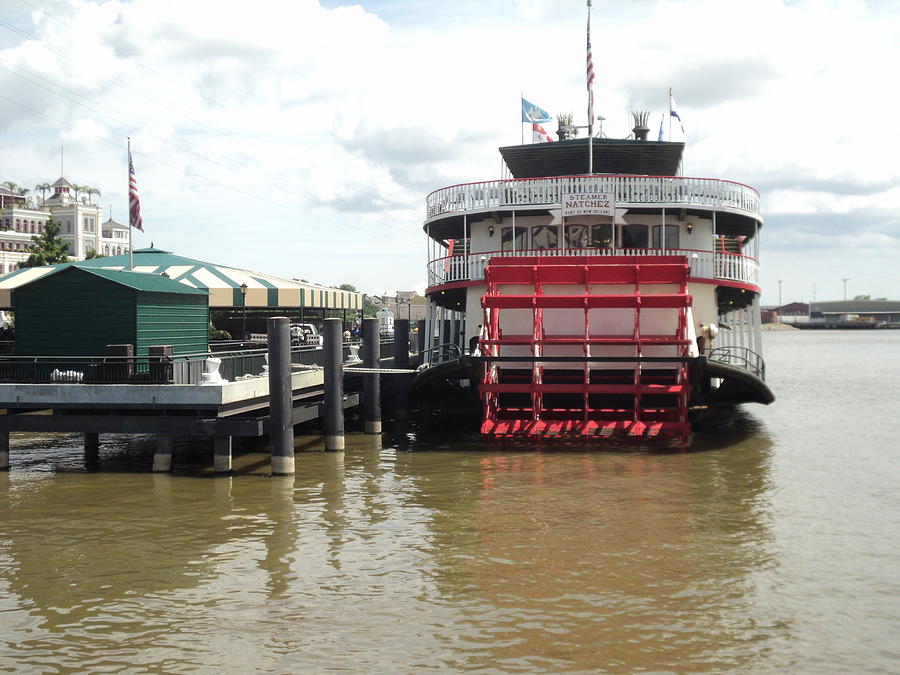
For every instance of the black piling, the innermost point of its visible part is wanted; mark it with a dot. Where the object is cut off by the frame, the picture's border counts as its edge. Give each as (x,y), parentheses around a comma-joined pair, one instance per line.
(222,454)
(420,337)
(371,381)
(91,450)
(162,457)
(334,385)
(281,428)
(401,360)
(4,451)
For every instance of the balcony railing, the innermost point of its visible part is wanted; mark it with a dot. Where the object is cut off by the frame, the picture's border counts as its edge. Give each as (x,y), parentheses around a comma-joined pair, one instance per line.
(628,191)
(704,264)
(179,369)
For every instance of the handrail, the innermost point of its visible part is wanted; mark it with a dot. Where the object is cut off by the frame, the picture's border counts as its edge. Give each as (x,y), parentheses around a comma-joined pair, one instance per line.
(704,264)
(627,190)
(447,348)
(742,357)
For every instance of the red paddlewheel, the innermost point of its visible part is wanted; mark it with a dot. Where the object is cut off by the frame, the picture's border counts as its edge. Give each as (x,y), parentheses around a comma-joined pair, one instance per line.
(606,306)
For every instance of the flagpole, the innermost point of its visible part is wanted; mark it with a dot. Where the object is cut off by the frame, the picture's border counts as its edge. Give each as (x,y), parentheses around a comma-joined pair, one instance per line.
(521,128)
(670,113)
(590,78)
(130,228)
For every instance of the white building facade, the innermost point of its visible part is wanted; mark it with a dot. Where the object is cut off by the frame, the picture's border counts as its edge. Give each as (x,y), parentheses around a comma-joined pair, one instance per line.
(79,221)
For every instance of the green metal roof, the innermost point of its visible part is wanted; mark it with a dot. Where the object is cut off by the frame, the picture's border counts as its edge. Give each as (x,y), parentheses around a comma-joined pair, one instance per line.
(223,283)
(153,283)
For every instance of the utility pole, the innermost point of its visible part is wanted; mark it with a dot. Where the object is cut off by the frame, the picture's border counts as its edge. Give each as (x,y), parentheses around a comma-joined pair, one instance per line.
(780,281)
(845,287)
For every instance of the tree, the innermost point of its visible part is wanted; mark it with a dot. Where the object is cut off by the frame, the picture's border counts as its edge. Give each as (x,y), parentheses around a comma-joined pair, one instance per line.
(15,188)
(42,188)
(369,307)
(348,287)
(87,190)
(48,248)
(91,254)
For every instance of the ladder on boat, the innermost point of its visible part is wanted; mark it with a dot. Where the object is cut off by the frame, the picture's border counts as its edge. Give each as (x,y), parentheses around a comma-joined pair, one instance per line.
(611,322)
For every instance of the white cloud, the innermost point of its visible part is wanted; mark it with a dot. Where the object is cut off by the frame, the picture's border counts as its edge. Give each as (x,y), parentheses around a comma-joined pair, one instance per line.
(301,139)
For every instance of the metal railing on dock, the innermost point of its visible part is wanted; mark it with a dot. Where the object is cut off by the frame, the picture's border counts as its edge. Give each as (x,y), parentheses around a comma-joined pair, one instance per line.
(156,370)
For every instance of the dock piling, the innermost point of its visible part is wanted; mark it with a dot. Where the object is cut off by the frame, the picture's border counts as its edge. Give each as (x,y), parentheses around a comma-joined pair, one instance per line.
(401,360)
(91,450)
(162,458)
(4,451)
(371,381)
(334,384)
(222,454)
(281,428)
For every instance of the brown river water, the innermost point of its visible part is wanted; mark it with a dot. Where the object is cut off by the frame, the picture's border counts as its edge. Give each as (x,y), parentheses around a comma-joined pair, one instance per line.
(772,547)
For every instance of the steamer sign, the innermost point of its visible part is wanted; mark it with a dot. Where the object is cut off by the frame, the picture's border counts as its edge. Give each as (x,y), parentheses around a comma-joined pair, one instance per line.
(588,204)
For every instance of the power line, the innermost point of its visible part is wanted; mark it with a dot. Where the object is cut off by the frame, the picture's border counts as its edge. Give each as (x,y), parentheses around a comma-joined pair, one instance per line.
(291,207)
(353,185)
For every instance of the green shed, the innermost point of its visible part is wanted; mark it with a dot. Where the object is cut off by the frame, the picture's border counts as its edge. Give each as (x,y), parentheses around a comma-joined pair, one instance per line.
(77,311)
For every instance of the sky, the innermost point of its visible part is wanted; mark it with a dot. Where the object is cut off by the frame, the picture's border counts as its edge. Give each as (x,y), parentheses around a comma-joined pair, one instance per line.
(300,138)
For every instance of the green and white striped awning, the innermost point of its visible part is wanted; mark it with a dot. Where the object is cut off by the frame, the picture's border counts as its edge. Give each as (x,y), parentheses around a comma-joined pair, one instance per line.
(222,283)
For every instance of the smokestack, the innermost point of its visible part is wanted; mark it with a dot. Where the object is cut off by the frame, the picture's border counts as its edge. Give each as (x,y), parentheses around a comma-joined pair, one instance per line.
(566,130)
(640,124)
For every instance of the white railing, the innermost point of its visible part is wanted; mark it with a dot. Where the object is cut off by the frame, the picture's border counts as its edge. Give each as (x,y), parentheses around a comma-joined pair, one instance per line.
(704,264)
(628,191)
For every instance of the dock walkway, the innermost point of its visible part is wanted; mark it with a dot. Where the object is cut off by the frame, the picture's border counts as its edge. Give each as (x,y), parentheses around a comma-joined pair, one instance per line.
(190,398)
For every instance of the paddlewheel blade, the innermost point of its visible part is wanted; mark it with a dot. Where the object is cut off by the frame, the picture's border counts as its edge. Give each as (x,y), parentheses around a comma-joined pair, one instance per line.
(576,308)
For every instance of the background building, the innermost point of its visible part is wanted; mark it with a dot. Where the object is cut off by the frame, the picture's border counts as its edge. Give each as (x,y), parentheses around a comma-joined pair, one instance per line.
(22,216)
(402,305)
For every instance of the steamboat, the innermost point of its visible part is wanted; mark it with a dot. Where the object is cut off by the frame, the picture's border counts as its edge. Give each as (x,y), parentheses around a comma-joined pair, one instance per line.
(594,291)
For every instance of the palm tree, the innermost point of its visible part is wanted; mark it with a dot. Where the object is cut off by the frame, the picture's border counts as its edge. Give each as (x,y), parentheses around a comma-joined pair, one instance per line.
(15,188)
(43,187)
(90,191)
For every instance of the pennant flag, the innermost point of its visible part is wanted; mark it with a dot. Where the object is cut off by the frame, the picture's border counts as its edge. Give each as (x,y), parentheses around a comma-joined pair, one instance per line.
(538,135)
(662,118)
(134,201)
(531,113)
(673,111)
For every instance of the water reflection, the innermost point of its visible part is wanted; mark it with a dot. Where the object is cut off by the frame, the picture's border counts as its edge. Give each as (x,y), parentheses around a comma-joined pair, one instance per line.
(450,555)
(629,560)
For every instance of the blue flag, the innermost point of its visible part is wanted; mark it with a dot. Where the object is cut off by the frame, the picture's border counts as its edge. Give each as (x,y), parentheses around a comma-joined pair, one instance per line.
(534,115)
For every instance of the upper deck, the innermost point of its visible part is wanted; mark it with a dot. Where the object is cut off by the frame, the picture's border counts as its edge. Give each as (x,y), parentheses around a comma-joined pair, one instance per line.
(629,192)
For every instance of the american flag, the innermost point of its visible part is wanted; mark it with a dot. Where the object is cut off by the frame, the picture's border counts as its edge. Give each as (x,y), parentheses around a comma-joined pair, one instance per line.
(134,200)
(590,75)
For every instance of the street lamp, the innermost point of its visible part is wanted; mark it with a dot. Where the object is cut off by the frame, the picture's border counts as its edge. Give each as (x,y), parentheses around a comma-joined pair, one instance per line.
(244,317)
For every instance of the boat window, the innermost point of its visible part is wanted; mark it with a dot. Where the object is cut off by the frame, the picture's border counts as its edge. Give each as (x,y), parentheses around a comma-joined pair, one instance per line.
(577,236)
(545,237)
(506,239)
(671,237)
(634,236)
(601,236)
